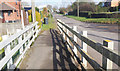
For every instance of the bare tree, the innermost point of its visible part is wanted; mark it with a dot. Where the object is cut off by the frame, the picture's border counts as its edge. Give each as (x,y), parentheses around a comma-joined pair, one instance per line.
(55,8)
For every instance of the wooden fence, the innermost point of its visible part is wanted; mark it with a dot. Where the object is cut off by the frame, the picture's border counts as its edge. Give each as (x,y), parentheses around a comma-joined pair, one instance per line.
(13,49)
(106,50)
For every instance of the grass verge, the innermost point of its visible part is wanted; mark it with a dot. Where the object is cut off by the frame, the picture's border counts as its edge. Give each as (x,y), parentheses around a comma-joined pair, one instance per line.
(97,20)
(50,25)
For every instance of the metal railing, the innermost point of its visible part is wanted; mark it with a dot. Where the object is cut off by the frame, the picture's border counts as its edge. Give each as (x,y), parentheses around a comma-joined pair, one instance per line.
(109,56)
(13,49)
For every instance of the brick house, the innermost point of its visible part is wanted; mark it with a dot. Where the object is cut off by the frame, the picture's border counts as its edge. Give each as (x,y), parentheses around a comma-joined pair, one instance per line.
(10,11)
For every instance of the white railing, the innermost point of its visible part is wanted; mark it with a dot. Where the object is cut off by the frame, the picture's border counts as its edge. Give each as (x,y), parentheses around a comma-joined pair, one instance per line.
(109,56)
(13,49)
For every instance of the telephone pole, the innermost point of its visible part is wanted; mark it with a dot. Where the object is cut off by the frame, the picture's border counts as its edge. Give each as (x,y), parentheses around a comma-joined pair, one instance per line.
(78,8)
(33,10)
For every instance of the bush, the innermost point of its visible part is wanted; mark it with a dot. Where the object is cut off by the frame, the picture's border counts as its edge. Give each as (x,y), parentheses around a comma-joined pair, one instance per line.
(38,18)
(30,15)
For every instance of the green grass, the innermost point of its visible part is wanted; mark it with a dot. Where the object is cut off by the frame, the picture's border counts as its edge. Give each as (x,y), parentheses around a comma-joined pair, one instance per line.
(50,25)
(97,20)
(61,14)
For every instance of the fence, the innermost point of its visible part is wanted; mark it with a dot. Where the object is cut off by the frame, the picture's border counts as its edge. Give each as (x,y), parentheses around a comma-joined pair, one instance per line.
(13,49)
(109,56)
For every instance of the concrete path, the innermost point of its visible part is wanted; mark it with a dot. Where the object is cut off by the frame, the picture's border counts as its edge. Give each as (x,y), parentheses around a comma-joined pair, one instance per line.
(48,52)
(40,56)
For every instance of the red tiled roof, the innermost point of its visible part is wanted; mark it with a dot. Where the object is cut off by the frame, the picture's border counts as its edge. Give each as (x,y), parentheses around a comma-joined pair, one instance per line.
(4,6)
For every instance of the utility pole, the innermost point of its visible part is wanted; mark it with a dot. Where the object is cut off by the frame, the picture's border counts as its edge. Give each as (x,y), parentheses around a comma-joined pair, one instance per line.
(78,8)
(33,10)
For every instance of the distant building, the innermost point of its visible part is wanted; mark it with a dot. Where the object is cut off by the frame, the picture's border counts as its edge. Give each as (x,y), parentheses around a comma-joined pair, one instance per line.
(10,11)
(111,3)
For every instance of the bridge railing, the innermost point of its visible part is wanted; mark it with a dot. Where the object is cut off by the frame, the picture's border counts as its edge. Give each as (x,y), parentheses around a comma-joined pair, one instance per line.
(109,56)
(13,49)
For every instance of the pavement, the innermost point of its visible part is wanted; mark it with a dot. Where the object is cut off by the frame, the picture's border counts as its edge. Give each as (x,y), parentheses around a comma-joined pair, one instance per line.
(96,32)
(40,55)
(49,52)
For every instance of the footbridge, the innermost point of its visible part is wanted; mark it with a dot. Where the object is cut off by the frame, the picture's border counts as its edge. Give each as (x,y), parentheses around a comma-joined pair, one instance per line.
(63,48)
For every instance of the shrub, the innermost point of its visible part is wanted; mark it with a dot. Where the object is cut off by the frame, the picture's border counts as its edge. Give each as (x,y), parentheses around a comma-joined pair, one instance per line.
(38,18)
(30,15)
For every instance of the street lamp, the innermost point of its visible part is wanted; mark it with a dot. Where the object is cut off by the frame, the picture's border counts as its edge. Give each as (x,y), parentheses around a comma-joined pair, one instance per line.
(33,10)
(78,8)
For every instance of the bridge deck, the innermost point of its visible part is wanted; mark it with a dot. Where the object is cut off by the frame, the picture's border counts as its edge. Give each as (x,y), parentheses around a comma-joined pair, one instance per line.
(48,52)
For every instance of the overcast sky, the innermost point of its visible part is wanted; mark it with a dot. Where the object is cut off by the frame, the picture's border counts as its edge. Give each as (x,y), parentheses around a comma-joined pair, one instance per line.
(59,3)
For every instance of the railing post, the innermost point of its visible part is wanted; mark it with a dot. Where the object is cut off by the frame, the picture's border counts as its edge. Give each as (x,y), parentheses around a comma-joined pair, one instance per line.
(107,64)
(61,27)
(20,40)
(35,31)
(33,35)
(75,39)
(7,50)
(68,35)
(84,47)
(64,31)
(37,27)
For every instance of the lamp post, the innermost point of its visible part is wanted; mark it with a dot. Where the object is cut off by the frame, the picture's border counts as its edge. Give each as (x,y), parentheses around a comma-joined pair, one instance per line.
(33,11)
(78,8)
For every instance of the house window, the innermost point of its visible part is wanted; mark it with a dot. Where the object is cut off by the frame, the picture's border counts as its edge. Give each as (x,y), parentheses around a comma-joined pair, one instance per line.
(10,21)
(17,13)
(9,12)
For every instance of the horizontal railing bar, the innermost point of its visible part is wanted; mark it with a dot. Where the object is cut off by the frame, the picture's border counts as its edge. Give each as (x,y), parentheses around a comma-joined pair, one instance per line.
(93,63)
(13,37)
(108,53)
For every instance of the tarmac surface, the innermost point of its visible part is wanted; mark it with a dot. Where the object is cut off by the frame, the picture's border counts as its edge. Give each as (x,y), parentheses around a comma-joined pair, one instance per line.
(49,52)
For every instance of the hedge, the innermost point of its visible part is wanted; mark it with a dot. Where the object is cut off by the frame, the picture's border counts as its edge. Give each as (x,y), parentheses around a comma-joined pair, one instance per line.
(89,14)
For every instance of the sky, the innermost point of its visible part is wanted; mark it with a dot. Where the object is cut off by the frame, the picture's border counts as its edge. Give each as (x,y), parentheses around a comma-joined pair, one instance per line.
(58,3)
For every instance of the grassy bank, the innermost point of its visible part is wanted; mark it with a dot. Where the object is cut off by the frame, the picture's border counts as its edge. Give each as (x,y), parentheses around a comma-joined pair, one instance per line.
(51,24)
(97,20)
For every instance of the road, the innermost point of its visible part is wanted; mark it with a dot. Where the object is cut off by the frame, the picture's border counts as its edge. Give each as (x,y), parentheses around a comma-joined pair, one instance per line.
(96,32)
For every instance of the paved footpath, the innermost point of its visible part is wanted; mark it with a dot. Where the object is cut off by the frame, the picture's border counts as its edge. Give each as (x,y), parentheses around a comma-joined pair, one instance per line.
(48,52)
(40,54)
